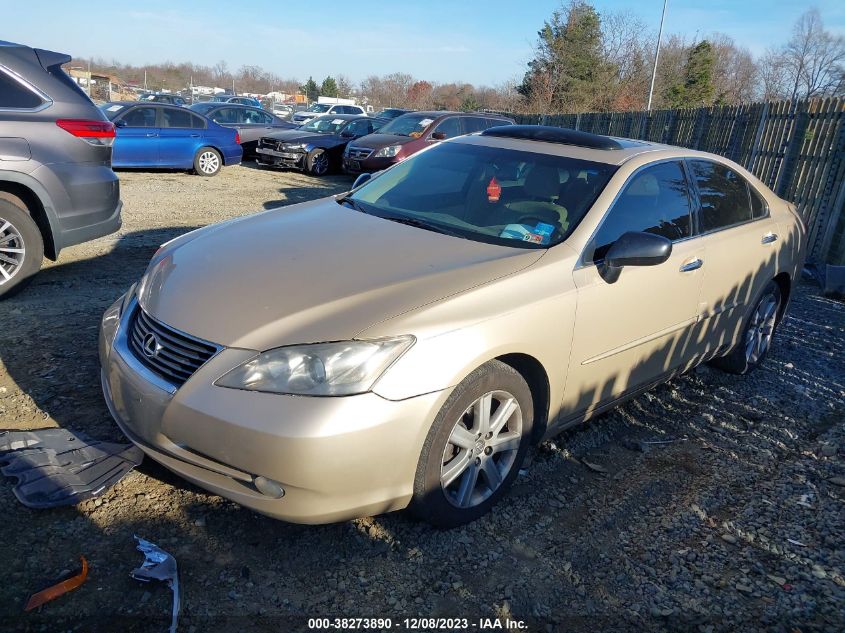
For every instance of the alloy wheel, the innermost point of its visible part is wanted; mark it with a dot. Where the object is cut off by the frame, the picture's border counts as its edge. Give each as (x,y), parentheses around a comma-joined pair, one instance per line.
(761,327)
(320,165)
(209,162)
(12,251)
(481,449)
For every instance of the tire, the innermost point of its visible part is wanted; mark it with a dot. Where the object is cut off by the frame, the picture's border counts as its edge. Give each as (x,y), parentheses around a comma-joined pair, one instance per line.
(317,162)
(18,232)
(455,503)
(758,329)
(207,162)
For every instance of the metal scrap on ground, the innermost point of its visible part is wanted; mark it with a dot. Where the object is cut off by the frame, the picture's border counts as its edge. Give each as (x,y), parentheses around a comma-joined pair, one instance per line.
(161,566)
(56,467)
(58,589)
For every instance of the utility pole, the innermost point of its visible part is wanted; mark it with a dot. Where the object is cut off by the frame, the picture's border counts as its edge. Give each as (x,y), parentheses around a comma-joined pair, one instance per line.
(145,80)
(656,55)
(89,77)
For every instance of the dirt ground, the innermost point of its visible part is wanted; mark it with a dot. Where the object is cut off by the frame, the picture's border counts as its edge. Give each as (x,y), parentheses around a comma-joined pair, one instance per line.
(734,521)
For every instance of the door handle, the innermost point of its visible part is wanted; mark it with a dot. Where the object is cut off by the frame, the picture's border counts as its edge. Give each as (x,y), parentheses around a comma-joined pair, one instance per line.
(151,134)
(195,135)
(768,238)
(693,264)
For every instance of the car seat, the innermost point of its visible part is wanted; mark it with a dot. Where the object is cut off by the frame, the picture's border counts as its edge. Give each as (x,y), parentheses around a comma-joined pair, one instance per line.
(540,191)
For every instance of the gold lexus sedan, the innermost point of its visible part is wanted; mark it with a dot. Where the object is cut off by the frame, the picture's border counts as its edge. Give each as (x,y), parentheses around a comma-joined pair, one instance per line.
(404,344)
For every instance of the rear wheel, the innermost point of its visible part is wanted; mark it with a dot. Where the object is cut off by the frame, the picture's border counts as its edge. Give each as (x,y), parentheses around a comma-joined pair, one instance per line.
(21,248)
(757,334)
(207,162)
(475,447)
(318,163)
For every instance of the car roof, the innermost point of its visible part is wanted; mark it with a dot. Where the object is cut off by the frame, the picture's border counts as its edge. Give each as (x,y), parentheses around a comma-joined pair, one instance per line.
(597,148)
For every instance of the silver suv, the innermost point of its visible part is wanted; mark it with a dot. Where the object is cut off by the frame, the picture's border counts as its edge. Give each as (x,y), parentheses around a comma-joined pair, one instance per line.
(57,187)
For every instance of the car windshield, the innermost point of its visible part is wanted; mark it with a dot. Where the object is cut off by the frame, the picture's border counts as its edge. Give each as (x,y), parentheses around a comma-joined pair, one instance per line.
(324,124)
(319,107)
(408,125)
(111,110)
(487,194)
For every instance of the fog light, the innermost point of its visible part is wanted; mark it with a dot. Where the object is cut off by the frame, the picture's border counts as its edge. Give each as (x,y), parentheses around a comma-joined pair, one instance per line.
(269,487)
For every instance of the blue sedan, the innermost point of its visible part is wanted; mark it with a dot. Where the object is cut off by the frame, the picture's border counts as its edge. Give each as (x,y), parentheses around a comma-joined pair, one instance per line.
(158,135)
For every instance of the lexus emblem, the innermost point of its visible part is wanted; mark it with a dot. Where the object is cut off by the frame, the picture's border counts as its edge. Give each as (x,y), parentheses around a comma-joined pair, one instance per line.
(151,346)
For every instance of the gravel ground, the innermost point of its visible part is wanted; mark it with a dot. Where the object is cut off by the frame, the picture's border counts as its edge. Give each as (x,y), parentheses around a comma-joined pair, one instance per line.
(713,503)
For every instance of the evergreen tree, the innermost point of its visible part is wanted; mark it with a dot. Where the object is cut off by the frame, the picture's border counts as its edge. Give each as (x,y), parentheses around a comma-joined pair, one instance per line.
(329,87)
(569,71)
(310,89)
(696,89)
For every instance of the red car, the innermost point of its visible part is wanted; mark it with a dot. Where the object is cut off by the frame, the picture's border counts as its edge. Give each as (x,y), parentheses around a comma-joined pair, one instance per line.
(408,134)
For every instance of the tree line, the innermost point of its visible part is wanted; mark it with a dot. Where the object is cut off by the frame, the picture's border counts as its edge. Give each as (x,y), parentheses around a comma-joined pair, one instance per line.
(583,61)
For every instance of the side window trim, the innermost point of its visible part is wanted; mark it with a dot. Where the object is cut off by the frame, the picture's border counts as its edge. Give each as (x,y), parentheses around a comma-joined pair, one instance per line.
(583,262)
(691,182)
(46,101)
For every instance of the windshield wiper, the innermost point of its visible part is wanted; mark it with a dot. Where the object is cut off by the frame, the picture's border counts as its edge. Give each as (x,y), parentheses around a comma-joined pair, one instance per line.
(352,203)
(422,224)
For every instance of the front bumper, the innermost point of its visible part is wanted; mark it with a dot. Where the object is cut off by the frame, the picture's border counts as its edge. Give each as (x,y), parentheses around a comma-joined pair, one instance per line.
(275,158)
(336,458)
(368,165)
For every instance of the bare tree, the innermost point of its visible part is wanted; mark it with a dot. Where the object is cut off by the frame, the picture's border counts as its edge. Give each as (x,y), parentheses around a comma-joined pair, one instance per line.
(814,59)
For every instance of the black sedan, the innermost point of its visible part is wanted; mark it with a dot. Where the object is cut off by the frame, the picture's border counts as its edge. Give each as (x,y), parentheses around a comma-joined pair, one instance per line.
(316,147)
(250,122)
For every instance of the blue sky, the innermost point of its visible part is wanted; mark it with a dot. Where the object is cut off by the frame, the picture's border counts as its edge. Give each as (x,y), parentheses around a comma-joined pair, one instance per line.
(478,41)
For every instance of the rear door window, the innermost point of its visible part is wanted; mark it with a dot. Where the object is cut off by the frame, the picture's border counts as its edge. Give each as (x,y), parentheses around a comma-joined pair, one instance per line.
(13,94)
(474,124)
(723,194)
(227,116)
(759,208)
(451,127)
(176,118)
(140,117)
(655,201)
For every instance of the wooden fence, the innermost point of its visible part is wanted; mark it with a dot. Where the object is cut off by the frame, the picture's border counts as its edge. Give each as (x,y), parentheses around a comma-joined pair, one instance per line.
(796,147)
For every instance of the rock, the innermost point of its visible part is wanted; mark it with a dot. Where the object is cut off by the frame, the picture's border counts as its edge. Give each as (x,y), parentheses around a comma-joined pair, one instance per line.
(828,450)
(729,538)
(778,580)
(743,588)
(837,481)
(200,522)
(145,597)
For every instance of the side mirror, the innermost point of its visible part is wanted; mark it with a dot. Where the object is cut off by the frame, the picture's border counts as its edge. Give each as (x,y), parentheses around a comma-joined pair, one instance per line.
(347,134)
(438,136)
(360,180)
(121,123)
(635,249)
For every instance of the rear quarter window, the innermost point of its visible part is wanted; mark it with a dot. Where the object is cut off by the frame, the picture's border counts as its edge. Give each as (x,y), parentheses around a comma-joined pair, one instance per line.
(15,95)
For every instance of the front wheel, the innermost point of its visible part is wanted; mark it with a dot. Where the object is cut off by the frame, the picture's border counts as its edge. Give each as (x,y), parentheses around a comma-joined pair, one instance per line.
(21,248)
(759,328)
(318,163)
(207,162)
(475,447)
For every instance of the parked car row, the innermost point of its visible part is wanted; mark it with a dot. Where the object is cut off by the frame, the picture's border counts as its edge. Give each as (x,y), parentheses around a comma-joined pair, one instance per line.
(358,143)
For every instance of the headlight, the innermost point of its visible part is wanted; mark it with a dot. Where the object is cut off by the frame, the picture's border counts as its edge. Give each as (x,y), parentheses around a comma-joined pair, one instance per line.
(289,148)
(388,152)
(322,369)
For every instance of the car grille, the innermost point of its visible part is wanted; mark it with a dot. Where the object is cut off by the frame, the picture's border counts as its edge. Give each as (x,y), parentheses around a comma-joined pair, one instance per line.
(358,153)
(171,354)
(270,143)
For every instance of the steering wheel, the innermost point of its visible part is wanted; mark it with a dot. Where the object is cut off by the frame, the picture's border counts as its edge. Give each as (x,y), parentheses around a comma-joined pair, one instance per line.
(534,219)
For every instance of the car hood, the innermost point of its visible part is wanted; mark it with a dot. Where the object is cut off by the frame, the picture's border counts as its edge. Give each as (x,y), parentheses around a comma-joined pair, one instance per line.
(376,141)
(312,272)
(290,136)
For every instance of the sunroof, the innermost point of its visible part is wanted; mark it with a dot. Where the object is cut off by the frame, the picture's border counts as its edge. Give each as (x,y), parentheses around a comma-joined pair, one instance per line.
(564,136)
